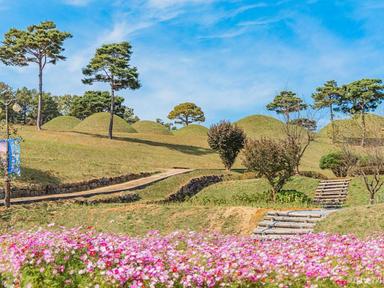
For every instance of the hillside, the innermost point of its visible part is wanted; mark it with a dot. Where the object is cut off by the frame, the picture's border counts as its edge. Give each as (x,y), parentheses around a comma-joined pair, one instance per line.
(62,123)
(192,130)
(150,127)
(261,126)
(98,123)
(351,128)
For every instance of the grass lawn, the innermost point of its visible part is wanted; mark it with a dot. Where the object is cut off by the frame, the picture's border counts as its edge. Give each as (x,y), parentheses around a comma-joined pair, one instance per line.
(252,192)
(56,157)
(133,219)
(360,220)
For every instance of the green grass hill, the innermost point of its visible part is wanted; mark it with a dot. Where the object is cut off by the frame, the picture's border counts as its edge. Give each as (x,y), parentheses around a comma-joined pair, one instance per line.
(98,123)
(192,130)
(261,126)
(352,127)
(62,123)
(150,127)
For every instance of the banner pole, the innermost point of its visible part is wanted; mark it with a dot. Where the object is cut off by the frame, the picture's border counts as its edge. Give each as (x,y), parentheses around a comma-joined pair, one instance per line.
(7,181)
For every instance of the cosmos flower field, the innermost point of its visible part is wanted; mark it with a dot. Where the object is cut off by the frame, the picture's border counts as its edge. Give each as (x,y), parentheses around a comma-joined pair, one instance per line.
(84,258)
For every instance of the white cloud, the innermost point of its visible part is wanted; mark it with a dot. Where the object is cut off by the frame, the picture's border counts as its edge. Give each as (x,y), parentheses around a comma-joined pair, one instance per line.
(77,2)
(161,4)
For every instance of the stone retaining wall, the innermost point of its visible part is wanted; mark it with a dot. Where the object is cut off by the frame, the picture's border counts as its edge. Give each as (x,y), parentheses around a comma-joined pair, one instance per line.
(193,187)
(39,190)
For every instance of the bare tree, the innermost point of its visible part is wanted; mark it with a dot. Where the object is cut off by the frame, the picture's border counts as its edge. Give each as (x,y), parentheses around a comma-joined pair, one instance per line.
(370,168)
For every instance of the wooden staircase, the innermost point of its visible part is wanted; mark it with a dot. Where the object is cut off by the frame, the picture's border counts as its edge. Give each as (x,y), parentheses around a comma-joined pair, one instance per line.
(332,193)
(283,224)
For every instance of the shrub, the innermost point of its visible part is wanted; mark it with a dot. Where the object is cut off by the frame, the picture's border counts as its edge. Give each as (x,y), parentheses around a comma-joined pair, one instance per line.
(226,139)
(270,159)
(339,162)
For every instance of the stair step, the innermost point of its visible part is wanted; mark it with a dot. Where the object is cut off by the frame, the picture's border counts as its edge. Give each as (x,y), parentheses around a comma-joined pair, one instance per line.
(292,219)
(342,189)
(293,214)
(331,193)
(330,198)
(335,180)
(271,237)
(293,225)
(281,231)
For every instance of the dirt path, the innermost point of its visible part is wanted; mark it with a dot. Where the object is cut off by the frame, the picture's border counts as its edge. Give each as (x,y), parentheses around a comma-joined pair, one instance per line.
(130,185)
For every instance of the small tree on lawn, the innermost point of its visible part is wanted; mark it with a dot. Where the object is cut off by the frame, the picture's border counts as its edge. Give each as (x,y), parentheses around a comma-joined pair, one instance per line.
(270,159)
(299,134)
(41,44)
(327,96)
(361,97)
(111,65)
(226,139)
(186,113)
(340,162)
(370,168)
(286,103)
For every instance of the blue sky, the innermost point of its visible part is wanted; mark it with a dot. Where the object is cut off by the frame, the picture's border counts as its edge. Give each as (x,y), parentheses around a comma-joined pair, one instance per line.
(230,57)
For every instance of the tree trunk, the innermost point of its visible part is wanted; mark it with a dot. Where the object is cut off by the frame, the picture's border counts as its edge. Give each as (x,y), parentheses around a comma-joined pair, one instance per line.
(364,136)
(110,131)
(372,199)
(40,100)
(332,125)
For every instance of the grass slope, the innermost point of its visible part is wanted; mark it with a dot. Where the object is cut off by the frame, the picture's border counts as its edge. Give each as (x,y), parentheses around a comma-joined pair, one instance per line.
(62,123)
(256,126)
(362,221)
(352,127)
(252,192)
(57,157)
(150,127)
(192,130)
(98,123)
(133,219)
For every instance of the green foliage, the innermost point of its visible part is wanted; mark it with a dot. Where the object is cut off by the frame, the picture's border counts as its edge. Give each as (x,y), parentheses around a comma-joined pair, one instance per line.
(24,97)
(111,65)
(270,159)
(96,101)
(49,108)
(227,140)
(361,97)
(65,103)
(186,113)
(286,103)
(306,123)
(40,44)
(339,162)
(129,115)
(328,96)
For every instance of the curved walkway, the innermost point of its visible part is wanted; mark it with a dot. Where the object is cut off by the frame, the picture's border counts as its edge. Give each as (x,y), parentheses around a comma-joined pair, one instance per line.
(126,186)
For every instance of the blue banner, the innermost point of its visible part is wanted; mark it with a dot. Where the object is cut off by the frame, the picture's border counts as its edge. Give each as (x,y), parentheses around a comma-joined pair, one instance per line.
(13,155)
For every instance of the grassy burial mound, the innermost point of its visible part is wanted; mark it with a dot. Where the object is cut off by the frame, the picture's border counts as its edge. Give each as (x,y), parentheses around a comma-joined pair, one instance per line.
(150,127)
(192,130)
(261,126)
(98,123)
(351,128)
(62,123)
